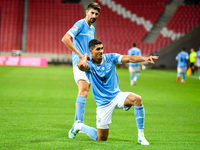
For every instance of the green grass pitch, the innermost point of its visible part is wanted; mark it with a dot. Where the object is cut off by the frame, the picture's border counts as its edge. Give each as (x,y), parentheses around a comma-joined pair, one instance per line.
(37,108)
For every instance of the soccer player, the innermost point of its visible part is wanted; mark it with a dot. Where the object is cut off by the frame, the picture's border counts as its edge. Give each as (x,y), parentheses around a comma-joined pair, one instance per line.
(101,72)
(81,33)
(134,68)
(198,61)
(192,57)
(182,59)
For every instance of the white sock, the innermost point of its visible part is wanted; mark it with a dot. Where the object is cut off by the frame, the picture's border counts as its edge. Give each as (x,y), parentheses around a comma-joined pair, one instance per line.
(140,132)
(80,125)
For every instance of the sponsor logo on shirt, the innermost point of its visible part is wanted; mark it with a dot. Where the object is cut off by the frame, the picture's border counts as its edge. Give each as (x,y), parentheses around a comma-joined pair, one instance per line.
(75,28)
(99,119)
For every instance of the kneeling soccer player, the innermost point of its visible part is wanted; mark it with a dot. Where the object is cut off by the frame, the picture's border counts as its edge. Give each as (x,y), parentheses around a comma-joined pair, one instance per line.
(101,72)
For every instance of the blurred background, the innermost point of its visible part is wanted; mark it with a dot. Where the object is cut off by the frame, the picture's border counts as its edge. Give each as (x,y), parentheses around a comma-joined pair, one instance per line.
(35,28)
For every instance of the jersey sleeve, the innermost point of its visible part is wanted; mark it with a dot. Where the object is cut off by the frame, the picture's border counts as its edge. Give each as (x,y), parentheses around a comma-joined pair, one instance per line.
(75,30)
(116,58)
(177,56)
(89,67)
(187,56)
(198,54)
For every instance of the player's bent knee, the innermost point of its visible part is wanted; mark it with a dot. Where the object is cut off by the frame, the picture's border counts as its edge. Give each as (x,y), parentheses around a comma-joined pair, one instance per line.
(83,93)
(140,98)
(102,134)
(102,138)
(139,101)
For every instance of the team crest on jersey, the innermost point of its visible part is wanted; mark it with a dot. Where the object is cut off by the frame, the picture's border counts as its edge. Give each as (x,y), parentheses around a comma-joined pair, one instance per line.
(103,68)
(75,28)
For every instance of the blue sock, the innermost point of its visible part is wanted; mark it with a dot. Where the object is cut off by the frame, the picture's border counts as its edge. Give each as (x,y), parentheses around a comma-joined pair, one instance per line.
(80,110)
(184,74)
(139,116)
(131,77)
(90,131)
(137,75)
(199,72)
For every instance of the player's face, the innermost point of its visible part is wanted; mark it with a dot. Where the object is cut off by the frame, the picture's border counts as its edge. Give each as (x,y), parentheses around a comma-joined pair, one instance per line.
(92,15)
(97,53)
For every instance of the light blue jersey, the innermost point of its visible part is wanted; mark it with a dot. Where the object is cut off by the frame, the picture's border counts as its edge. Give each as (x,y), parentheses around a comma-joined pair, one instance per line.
(182,59)
(104,79)
(82,34)
(136,52)
(198,57)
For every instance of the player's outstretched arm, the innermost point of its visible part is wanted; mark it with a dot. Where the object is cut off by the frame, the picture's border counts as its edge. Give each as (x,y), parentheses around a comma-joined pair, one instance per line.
(135,59)
(67,40)
(82,63)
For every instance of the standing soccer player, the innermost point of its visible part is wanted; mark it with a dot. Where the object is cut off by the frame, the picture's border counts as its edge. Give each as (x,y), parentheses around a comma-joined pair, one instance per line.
(198,61)
(134,68)
(101,72)
(192,57)
(182,59)
(81,33)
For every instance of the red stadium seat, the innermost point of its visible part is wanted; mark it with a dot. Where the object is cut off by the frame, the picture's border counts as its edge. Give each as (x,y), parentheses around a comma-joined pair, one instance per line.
(184,19)
(48,21)
(11,25)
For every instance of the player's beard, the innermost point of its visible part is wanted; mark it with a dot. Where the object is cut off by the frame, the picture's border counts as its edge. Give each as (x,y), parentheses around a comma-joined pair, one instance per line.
(92,20)
(100,57)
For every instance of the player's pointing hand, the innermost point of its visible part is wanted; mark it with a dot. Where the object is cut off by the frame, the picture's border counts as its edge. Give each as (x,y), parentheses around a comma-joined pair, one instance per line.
(150,59)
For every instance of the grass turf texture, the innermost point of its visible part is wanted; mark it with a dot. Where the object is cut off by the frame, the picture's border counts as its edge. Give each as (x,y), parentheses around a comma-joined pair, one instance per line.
(37,108)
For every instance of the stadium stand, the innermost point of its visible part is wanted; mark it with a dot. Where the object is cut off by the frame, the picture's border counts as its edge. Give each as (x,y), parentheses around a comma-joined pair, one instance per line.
(121,23)
(184,19)
(11,25)
(47,23)
(114,27)
(148,9)
(140,16)
(187,18)
(128,20)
